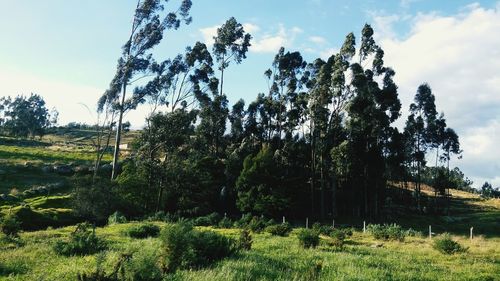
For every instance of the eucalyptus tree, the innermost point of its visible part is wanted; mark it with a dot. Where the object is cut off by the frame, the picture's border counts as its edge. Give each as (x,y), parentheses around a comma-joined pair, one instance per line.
(371,111)
(285,82)
(419,124)
(231,44)
(148,24)
(25,116)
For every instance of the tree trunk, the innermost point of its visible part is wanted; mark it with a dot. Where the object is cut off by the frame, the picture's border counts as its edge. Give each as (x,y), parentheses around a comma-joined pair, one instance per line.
(116,153)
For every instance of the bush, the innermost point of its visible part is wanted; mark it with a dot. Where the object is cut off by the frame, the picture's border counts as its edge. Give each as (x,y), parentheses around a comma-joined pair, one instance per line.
(185,247)
(337,238)
(83,241)
(322,229)
(117,218)
(387,232)
(10,226)
(144,230)
(446,245)
(225,222)
(143,266)
(245,240)
(208,220)
(308,238)
(279,229)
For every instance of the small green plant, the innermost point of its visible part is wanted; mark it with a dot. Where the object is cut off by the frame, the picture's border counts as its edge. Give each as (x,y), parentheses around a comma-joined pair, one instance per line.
(185,247)
(10,226)
(117,218)
(387,232)
(308,238)
(257,224)
(225,222)
(322,229)
(245,240)
(337,238)
(446,245)
(144,230)
(279,229)
(83,241)
(208,220)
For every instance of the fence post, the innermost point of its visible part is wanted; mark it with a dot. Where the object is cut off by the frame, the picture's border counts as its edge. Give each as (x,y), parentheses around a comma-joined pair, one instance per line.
(333,223)
(430,232)
(307,222)
(283,219)
(471,234)
(364,226)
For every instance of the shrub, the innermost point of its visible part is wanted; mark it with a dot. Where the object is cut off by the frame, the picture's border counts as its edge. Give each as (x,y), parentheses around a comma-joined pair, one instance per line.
(144,230)
(322,229)
(185,247)
(387,232)
(337,238)
(143,266)
(225,222)
(446,245)
(279,229)
(245,240)
(257,224)
(208,220)
(10,226)
(83,241)
(117,218)
(244,221)
(308,238)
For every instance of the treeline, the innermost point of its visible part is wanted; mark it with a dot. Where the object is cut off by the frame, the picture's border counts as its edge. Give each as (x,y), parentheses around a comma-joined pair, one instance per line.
(318,142)
(25,116)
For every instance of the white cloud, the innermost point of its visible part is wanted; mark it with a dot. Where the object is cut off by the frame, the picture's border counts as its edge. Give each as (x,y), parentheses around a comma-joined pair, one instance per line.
(271,42)
(459,56)
(208,34)
(268,42)
(317,40)
(327,53)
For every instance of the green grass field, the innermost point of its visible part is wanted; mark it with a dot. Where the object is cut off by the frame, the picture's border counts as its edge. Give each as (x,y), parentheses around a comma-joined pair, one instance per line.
(271,258)
(32,257)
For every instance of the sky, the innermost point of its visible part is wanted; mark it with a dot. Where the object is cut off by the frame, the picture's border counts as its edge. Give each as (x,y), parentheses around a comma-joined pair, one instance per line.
(66,51)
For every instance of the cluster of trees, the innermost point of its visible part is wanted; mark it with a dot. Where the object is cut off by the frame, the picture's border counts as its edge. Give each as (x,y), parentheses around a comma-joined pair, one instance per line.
(488,191)
(25,116)
(319,141)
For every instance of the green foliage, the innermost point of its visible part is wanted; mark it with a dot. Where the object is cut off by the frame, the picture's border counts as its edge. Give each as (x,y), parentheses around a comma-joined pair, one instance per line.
(260,188)
(282,229)
(446,245)
(117,218)
(96,201)
(387,231)
(338,237)
(322,229)
(208,220)
(308,238)
(143,266)
(10,226)
(185,247)
(83,241)
(143,230)
(225,222)
(245,240)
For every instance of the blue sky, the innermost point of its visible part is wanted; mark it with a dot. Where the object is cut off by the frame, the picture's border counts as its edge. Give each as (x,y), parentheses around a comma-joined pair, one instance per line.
(66,50)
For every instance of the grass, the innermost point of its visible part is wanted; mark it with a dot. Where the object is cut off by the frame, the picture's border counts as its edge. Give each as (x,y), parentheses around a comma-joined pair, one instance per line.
(271,258)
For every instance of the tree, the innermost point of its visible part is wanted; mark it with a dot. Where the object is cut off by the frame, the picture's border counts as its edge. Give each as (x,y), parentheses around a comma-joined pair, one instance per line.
(419,130)
(148,24)
(26,116)
(231,43)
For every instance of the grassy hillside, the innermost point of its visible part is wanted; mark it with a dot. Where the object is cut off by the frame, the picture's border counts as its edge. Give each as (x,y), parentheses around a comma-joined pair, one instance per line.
(32,257)
(271,258)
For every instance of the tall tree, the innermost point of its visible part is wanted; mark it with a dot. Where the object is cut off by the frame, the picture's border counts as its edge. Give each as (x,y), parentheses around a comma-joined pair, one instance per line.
(231,44)
(148,24)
